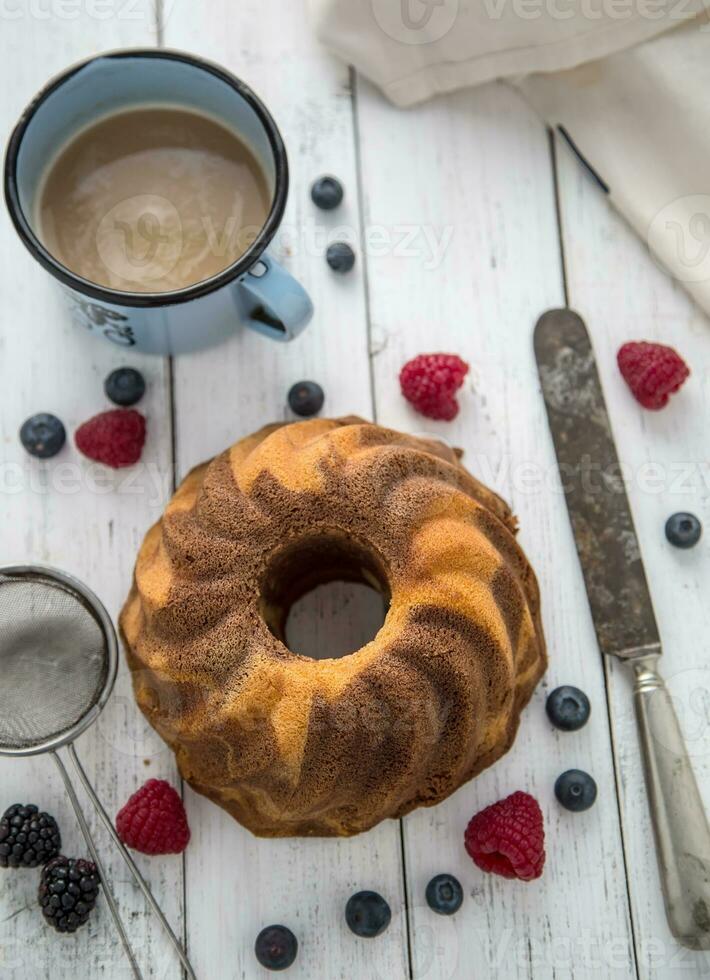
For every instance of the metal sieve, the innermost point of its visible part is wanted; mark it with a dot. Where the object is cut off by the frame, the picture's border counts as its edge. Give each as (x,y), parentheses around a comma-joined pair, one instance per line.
(58,660)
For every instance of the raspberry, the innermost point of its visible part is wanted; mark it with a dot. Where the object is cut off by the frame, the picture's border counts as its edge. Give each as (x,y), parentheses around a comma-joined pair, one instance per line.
(114,438)
(154,820)
(654,372)
(508,838)
(430,382)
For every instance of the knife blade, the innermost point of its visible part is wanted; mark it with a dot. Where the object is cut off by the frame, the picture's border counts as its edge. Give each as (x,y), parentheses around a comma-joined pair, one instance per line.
(593,482)
(622,611)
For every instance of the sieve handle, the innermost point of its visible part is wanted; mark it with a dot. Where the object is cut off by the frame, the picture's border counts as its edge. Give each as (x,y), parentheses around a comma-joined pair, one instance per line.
(97,861)
(132,867)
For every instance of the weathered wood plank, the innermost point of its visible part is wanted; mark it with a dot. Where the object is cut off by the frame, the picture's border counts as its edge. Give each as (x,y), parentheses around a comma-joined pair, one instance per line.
(623,295)
(236,883)
(462,254)
(476,166)
(79,517)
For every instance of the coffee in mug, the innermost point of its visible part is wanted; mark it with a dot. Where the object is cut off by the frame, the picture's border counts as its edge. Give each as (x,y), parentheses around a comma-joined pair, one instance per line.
(152,199)
(150,183)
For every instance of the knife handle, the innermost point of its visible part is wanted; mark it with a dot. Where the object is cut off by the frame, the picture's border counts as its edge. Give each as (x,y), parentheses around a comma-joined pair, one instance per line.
(679,822)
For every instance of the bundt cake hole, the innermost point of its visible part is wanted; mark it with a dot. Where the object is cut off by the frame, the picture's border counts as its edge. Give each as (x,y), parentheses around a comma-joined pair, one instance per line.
(325,596)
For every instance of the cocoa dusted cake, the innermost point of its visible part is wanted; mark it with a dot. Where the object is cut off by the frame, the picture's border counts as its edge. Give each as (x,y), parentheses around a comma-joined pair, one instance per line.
(291,745)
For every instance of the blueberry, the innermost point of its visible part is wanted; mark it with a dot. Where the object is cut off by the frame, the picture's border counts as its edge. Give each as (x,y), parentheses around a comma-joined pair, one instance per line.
(444,894)
(576,790)
(367,914)
(125,386)
(340,257)
(327,193)
(276,947)
(683,530)
(568,708)
(306,398)
(43,435)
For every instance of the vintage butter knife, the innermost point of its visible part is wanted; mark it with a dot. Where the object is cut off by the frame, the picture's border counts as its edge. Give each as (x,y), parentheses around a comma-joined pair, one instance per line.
(623,613)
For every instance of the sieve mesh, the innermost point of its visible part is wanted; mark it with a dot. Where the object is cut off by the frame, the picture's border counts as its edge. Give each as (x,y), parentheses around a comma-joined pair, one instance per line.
(54,660)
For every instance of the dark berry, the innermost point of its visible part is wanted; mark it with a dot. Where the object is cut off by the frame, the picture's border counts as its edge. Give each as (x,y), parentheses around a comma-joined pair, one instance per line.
(683,530)
(125,386)
(367,914)
(327,193)
(444,894)
(43,435)
(306,398)
(568,708)
(340,257)
(28,838)
(68,890)
(276,947)
(576,790)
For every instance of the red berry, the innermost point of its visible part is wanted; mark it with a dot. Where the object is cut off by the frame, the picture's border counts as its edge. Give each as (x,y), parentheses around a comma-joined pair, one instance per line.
(508,838)
(114,438)
(430,382)
(154,820)
(654,372)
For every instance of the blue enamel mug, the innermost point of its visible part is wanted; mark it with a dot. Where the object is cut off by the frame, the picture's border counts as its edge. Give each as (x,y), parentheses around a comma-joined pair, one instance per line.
(254,291)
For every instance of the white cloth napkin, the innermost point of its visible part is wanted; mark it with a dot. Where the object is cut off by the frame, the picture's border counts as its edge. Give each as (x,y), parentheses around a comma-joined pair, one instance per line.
(627,80)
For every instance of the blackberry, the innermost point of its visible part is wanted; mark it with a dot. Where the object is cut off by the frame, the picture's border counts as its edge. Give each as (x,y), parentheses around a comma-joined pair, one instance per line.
(68,890)
(367,914)
(28,838)
(125,386)
(276,947)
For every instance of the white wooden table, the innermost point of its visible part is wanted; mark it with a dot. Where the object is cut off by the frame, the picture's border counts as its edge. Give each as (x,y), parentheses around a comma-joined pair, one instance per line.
(475,175)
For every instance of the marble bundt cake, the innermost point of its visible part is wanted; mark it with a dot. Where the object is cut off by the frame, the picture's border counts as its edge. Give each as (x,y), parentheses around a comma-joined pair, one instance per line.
(291,745)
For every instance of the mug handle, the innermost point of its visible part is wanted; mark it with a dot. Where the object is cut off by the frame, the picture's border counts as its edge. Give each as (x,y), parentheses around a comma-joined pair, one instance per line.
(272,302)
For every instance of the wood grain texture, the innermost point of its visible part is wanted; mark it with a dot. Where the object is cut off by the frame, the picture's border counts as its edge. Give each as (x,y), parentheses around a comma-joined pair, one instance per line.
(80,517)
(236,883)
(622,294)
(478,163)
(458,250)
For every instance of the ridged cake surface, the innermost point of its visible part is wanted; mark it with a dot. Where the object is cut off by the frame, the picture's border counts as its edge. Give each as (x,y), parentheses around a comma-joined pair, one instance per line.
(291,745)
